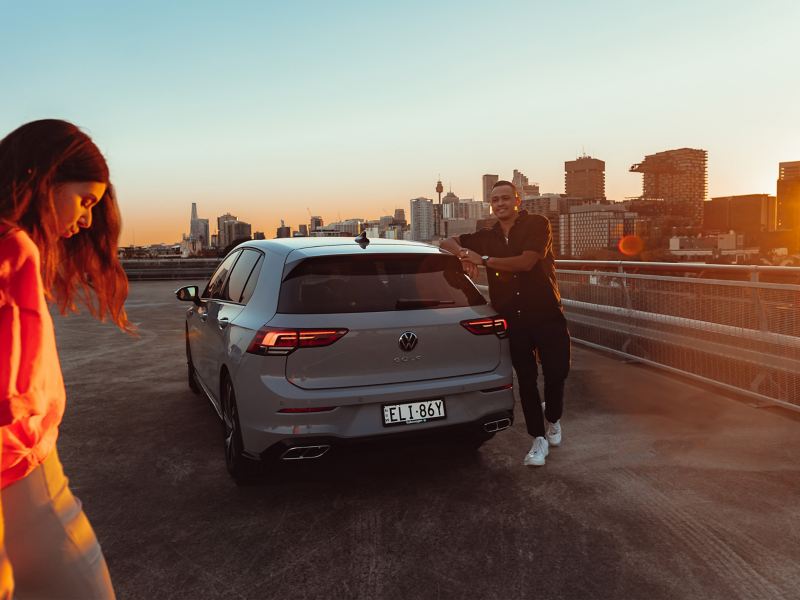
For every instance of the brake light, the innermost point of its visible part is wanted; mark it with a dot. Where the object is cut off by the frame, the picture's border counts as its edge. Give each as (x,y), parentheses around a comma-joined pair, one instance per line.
(487,325)
(279,341)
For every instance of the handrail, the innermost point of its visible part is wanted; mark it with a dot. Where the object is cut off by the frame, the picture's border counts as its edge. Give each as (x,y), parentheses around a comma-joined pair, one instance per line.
(689,267)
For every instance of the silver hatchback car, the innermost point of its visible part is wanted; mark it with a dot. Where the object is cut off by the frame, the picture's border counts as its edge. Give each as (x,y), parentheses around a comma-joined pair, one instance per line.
(304,344)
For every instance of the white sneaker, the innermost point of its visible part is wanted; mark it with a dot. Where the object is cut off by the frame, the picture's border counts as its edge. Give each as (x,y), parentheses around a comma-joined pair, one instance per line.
(537,454)
(554,433)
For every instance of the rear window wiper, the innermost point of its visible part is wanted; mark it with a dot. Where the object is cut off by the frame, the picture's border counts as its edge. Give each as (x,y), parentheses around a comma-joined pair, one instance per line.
(406,303)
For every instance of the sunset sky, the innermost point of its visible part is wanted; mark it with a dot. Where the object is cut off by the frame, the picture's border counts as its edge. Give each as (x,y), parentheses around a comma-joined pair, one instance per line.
(351,109)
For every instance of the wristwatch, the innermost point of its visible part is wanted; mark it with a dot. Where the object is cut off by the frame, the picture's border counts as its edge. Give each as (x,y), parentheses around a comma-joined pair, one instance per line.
(485,261)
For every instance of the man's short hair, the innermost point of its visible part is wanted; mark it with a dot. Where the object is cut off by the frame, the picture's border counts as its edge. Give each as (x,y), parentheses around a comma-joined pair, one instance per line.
(509,184)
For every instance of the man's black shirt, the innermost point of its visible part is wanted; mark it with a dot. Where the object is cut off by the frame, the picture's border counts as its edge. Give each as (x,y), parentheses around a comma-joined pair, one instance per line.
(526,295)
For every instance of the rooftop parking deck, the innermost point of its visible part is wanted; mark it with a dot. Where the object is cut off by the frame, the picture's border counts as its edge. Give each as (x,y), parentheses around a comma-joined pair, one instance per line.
(662,489)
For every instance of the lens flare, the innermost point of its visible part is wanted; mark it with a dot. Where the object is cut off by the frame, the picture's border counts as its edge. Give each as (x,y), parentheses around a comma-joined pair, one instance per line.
(631,245)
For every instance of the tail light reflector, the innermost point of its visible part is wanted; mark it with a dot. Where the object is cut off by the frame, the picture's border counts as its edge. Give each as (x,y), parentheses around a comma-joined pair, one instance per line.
(280,341)
(507,386)
(486,326)
(306,410)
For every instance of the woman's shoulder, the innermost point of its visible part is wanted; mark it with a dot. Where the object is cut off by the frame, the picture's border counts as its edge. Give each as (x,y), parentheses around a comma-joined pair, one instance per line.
(20,280)
(16,246)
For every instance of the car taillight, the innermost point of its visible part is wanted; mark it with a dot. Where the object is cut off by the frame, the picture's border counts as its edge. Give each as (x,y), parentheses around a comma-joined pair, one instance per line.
(280,341)
(486,326)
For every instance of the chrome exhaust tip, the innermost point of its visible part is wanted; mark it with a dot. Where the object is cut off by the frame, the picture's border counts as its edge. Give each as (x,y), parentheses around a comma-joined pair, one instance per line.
(304,452)
(499,425)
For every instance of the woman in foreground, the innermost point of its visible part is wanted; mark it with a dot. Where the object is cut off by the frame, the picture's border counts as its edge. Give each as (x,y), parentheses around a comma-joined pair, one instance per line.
(59,227)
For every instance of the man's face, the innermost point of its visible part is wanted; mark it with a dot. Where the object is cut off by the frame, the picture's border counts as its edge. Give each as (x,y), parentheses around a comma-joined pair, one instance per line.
(504,202)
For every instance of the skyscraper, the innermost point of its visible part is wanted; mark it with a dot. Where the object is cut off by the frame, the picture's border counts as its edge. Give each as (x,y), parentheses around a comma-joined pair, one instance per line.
(789,196)
(198,228)
(679,177)
(222,239)
(585,177)
(488,184)
(422,219)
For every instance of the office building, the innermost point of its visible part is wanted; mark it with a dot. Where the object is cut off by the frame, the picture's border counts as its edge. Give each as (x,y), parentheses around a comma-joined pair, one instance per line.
(593,226)
(222,240)
(400,217)
(236,231)
(316,223)
(198,229)
(302,229)
(788,197)
(422,219)
(585,177)
(749,214)
(679,178)
(488,184)
(284,231)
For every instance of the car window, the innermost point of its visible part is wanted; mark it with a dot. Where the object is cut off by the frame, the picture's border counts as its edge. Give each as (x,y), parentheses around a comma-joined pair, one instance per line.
(370,283)
(240,274)
(250,286)
(217,281)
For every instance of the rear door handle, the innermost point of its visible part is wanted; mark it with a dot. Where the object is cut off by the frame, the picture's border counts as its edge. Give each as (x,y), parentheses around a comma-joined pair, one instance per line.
(223,322)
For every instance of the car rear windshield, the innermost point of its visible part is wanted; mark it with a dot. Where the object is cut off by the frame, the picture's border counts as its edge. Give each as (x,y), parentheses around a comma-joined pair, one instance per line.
(375,283)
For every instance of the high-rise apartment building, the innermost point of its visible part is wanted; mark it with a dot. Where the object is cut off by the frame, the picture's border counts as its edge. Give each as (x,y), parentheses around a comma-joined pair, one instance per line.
(585,177)
(679,177)
(488,183)
(222,240)
(422,219)
(789,196)
(399,217)
(236,231)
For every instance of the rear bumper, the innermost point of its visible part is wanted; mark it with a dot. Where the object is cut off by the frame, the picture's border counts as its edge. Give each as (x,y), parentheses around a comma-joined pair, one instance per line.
(440,433)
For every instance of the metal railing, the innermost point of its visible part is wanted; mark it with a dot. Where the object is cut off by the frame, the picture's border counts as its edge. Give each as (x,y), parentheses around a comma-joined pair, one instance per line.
(737,327)
(190,269)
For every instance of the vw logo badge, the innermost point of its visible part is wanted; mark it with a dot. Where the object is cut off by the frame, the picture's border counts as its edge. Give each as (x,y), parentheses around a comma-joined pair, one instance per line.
(408,341)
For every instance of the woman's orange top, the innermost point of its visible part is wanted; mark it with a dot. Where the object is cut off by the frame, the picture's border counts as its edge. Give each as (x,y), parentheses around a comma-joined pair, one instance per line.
(32,394)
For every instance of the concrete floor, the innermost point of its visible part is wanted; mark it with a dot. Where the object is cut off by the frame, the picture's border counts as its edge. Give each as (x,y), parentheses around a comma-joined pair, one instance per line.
(661,490)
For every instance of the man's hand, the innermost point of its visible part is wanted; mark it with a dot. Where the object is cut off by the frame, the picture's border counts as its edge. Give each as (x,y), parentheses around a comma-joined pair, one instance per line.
(470,256)
(469,269)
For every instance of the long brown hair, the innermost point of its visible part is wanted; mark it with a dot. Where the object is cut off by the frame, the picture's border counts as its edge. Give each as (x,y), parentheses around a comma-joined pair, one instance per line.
(34,159)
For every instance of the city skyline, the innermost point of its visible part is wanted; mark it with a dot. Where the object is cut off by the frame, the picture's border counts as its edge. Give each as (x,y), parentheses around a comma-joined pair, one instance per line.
(269,111)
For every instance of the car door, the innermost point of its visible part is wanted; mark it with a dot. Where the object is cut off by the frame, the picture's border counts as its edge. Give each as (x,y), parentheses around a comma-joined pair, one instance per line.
(201,335)
(224,307)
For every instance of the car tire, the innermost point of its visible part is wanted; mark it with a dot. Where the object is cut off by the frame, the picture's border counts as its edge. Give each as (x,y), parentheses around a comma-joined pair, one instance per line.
(191,376)
(242,469)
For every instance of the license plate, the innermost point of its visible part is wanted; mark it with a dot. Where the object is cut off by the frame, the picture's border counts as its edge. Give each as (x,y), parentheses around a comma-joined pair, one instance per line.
(413,412)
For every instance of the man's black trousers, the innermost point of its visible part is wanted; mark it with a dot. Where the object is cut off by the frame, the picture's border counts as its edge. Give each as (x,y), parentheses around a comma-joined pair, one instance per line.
(550,341)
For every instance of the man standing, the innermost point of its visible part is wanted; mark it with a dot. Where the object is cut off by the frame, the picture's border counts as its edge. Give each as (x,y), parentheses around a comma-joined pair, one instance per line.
(518,255)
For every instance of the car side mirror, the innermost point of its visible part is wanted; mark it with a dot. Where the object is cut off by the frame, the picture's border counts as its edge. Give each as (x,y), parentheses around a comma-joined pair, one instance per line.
(188,294)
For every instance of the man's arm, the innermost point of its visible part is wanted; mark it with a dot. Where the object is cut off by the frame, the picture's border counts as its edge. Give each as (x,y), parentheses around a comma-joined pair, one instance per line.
(513,264)
(453,246)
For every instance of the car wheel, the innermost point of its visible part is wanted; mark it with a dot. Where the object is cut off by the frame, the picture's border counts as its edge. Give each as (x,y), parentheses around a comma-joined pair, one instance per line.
(241,468)
(192,378)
